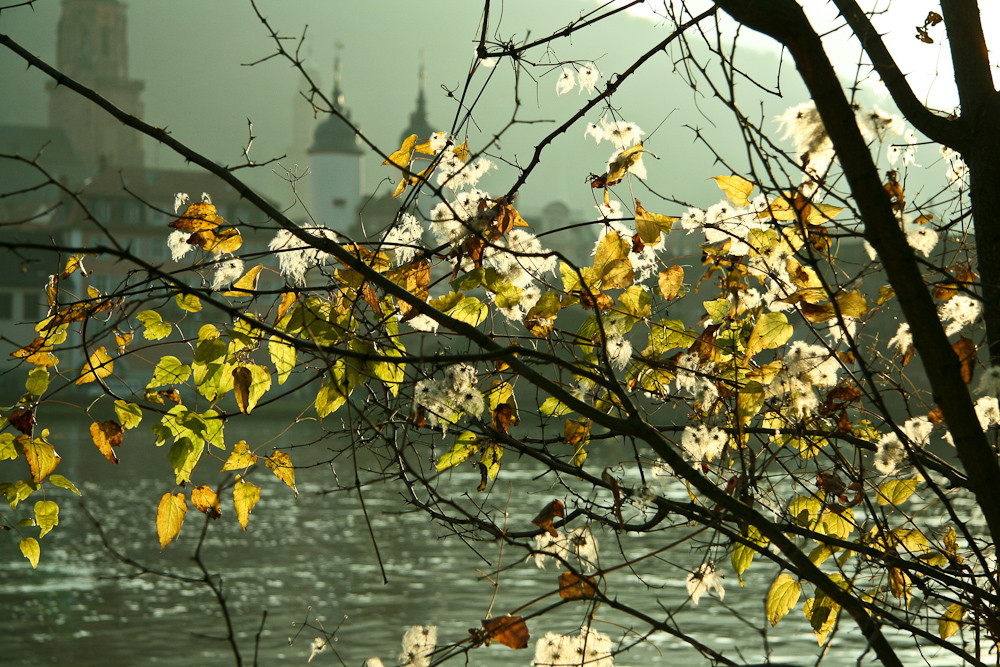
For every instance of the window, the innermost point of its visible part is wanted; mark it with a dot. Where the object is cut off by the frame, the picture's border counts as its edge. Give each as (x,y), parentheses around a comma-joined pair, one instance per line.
(6,306)
(131,213)
(31,309)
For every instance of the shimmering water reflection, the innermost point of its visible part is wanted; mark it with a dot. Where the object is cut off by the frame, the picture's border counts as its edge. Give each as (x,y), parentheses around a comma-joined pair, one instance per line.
(312,559)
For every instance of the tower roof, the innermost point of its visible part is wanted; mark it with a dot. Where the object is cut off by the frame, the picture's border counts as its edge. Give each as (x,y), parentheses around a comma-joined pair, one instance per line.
(333,135)
(419,124)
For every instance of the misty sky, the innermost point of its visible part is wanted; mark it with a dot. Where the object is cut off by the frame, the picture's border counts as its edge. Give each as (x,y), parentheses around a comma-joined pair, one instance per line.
(190,53)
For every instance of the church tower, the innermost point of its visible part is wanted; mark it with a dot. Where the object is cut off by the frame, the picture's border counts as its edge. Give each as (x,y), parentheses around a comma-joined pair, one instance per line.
(92,47)
(337,166)
(419,124)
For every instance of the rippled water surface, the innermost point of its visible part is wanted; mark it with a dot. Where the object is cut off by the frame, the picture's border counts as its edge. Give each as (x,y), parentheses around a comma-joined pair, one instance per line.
(311,559)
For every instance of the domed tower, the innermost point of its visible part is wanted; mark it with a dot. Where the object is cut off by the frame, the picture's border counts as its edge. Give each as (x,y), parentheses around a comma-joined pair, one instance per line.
(419,124)
(92,47)
(337,165)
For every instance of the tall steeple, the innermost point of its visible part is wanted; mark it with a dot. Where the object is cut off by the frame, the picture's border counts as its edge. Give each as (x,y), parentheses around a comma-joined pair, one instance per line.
(419,124)
(333,135)
(337,164)
(92,47)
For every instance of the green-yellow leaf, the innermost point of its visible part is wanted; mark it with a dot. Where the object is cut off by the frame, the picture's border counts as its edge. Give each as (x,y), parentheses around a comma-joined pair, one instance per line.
(553,407)
(737,188)
(282,356)
(18,491)
(469,310)
(636,302)
(834,524)
(155,327)
(334,391)
(280,464)
(895,491)
(99,365)
(62,482)
(718,309)
(743,554)
(170,517)
(188,302)
(822,615)
(245,496)
(949,623)
(38,381)
(465,446)
(214,432)
(782,597)
(490,459)
(169,370)
(129,414)
(183,456)
(805,510)
(772,330)
(46,516)
(8,450)
(31,550)
(541,318)
(750,400)
(241,458)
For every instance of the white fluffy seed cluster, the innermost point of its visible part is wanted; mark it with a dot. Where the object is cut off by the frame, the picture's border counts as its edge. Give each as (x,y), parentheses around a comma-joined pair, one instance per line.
(447,401)
(590,648)
(805,366)
(579,543)
(704,579)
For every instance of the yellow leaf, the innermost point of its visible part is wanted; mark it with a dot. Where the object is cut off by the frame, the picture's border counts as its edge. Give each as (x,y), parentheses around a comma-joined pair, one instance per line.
(226,240)
(42,458)
(737,188)
(948,624)
(247,284)
(197,217)
(401,158)
(74,263)
(280,464)
(107,435)
(618,167)
(122,340)
(206,500)
(46,516)
(670,281)
(37,352)
(31,550)
(465,446)
(649,226)
(782,597)
(188,302)
(245,496)
(170,517)
(895,491)
(99,365)
(241,458)
(577,432)
(242,378)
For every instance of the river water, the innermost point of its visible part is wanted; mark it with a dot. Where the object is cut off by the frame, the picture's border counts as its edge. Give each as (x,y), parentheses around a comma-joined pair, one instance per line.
(311,560)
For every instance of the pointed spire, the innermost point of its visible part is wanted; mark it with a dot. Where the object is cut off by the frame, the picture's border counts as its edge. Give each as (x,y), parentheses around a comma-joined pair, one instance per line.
(333,135)
(419,124)
(338,94)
